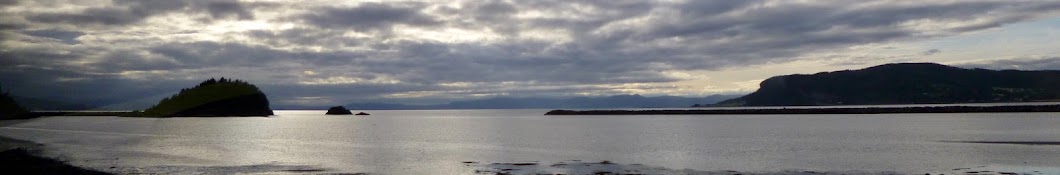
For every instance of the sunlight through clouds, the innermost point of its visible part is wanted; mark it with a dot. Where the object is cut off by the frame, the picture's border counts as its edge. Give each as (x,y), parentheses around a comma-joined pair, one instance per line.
(377,50)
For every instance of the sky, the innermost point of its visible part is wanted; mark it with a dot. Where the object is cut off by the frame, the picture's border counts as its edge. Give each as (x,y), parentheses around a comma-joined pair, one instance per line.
(319,53)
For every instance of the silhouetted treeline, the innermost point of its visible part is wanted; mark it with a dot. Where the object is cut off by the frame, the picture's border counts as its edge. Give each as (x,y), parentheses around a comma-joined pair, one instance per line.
(212,98)
(9,109)
(904,83)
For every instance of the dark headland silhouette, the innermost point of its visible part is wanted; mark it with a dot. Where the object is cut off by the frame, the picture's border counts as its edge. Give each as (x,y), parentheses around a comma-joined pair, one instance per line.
(900,83)
(338,110)
(214,98)
(904,83)
(9,109)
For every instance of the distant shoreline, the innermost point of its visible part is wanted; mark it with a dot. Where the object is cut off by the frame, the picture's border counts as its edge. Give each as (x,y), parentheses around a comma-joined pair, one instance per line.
(862,110)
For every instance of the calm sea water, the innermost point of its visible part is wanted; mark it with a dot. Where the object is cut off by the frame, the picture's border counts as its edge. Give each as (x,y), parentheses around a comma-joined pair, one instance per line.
(440,141)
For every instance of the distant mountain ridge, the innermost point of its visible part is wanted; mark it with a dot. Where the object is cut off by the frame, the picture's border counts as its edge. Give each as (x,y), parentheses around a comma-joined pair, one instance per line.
(617,101)
(904,83)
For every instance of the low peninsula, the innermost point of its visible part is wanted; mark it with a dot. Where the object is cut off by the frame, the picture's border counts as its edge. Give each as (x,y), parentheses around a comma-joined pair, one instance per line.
(862,110)
(888,84)
(214,98)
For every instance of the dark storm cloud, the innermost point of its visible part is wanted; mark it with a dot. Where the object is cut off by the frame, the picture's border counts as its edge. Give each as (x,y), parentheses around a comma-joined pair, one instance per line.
(1031,63)
(303,37)
(370,16)
(215,54)
(63,35)
(759,34)
(223,9)
(125,12)
(931,52)
(42,57)
(78,87)
(375,49)
(364,91)
(433,62)
(8,2)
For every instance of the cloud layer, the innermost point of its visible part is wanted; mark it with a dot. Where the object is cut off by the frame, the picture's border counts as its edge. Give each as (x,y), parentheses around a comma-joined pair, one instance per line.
(341,52)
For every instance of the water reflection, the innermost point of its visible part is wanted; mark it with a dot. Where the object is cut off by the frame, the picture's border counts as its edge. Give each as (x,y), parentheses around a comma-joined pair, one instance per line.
(437,142)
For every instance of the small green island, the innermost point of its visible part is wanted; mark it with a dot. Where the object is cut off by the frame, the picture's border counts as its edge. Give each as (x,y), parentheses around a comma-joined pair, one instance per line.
(213,98)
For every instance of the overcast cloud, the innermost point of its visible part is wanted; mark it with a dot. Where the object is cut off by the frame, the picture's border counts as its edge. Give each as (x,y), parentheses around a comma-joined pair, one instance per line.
(328,52)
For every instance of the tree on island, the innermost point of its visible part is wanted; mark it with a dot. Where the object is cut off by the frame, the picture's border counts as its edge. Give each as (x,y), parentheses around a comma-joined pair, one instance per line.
(214,98)
(9,109)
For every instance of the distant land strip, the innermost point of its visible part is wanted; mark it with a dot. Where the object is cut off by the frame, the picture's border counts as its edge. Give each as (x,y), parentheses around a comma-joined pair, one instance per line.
(1009,142)
(866,110)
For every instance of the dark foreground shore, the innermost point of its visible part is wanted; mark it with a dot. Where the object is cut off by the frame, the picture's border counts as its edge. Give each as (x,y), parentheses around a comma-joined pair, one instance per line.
(867,110)
(23,157)
(36,114)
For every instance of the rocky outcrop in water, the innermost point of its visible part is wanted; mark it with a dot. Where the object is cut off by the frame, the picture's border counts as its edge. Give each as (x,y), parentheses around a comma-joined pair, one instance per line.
(214,98)
(338,110)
